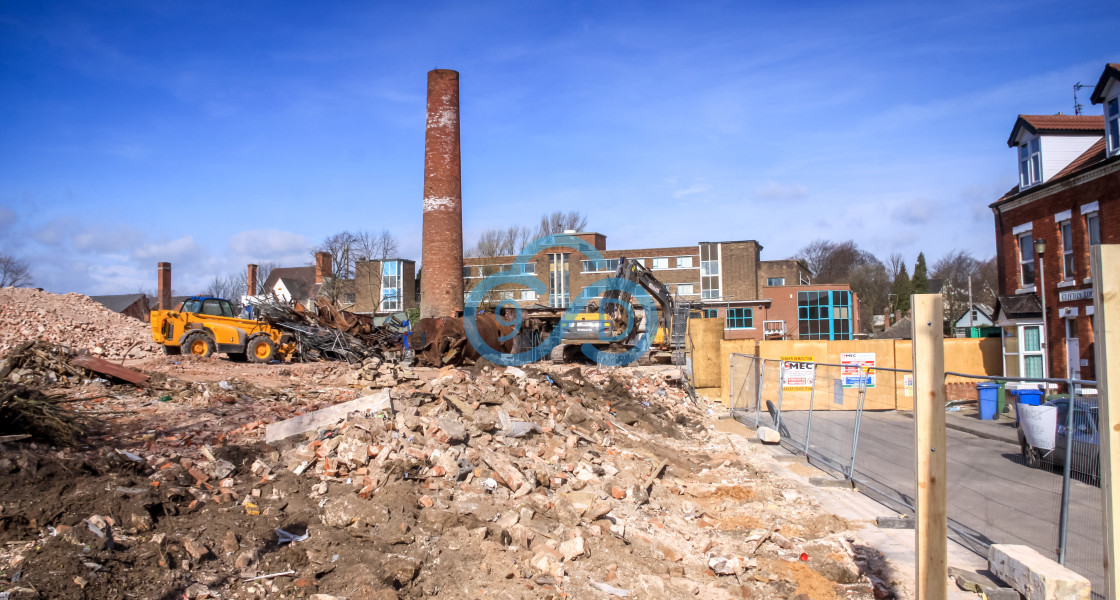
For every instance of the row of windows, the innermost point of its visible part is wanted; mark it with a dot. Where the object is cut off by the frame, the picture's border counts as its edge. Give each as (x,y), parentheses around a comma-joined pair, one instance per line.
(477,271)
(522,295)
(1065,232)
(824,315)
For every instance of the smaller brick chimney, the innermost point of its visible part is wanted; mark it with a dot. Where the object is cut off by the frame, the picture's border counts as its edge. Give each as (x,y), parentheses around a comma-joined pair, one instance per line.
(322,266)
(163,285)
(251,282)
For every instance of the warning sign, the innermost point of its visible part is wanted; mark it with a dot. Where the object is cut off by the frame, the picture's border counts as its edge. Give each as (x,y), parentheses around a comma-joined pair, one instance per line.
(798,373)
(857,366)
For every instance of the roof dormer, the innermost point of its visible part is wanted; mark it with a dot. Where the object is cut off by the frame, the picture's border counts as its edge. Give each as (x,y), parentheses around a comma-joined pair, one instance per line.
(1107,93)
(1046,144)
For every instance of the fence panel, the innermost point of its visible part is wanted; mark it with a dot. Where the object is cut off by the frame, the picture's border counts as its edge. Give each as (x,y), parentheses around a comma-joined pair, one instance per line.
(997,493)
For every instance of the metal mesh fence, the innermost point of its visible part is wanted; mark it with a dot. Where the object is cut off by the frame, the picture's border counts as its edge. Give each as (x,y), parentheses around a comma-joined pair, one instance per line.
(1000,489)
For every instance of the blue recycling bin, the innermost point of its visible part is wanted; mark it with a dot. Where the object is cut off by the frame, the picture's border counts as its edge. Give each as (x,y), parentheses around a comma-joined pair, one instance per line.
(989,397)
(1029,397)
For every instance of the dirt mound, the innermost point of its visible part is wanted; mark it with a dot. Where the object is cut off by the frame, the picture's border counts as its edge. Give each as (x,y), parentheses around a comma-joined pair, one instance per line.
(70,320)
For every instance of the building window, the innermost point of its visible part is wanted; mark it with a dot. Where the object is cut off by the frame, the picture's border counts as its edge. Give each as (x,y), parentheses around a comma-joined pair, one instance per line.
(711,313)
(686,289)
(824,315)
(740,318)
(1067,249)
(528,295)
(1030,163)
(391,285)
(1022,351)
(350,298)
(659,263)
(529,268)
(467,272)
(709,271)
(558,280)
(775,281)
(1112,125)
(1026,260)
(1093,226)
(593,291)
(609,265)
(684,262)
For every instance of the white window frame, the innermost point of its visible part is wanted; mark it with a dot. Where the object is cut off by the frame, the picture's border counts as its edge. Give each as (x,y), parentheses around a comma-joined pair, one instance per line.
(711,269)
(392,292)
(1030,163)
(1029,247)
(686,289)
(684,262)
(661,262)
(528,294)
(1112,125)
(1065,232)
(781,281)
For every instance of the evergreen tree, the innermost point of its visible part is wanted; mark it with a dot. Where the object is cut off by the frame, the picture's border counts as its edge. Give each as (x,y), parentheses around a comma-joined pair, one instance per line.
(919,283)
(901,290)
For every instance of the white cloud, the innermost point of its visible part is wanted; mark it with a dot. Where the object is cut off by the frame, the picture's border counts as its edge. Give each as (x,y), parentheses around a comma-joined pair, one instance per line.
(271,245)
(692,190)
(7,217)
(181,248)
(773,190)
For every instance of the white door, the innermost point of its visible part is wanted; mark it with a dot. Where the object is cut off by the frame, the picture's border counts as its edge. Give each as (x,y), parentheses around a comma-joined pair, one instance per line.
(1073,350)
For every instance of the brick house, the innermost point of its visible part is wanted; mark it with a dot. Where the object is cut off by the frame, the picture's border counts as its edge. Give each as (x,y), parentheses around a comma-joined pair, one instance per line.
(1067,199)
(379,287)
(721,280)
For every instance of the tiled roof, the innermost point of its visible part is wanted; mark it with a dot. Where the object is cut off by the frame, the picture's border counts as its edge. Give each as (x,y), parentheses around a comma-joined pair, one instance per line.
(117,303)
(1019,306)
(1111,71)
(1056,124)
(304,274)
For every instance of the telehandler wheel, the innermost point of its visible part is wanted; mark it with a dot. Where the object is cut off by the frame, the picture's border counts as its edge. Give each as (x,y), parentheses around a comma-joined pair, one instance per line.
(199,344)
(260,349)
(172,350)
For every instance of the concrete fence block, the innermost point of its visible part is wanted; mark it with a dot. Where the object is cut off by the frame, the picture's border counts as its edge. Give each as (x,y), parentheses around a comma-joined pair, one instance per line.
(1035,576)
(768,436)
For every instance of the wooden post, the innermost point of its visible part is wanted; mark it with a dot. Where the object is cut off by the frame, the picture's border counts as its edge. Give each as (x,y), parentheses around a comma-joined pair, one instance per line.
(1105,262)
(931,527)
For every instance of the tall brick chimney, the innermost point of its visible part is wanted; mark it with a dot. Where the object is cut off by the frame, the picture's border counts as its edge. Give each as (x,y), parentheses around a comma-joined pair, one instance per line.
(163,285)
(322,266)
(251,281)
(441,287)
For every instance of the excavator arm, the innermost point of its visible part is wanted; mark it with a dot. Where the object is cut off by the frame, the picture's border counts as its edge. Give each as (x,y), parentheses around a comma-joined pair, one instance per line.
(635,272)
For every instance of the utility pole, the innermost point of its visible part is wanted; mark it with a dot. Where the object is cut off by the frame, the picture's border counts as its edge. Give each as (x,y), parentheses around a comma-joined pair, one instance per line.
(970,324)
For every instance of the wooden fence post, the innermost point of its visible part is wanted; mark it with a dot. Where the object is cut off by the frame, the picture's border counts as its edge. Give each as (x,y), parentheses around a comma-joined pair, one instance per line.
(931,527)
(1106,300)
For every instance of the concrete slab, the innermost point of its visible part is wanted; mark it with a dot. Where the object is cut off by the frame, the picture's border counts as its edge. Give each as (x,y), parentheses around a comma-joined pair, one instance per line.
(1035,576)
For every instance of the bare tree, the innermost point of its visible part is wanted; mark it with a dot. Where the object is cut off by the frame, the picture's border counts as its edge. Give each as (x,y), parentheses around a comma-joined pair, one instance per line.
(501,242)
(955,270)
(13,272)
(832,262)
(229,287)
(559,222)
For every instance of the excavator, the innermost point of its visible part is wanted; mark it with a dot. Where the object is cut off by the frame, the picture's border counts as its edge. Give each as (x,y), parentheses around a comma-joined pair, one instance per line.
(598,327)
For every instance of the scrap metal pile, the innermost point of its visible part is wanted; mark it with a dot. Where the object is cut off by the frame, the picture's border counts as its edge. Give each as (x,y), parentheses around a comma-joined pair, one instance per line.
(331,334)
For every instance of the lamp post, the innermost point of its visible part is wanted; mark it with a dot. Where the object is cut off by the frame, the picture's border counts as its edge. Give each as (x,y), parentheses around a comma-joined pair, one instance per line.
(1040,248)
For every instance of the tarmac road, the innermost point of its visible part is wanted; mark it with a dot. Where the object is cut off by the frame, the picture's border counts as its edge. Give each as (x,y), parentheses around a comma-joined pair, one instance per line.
(993,497)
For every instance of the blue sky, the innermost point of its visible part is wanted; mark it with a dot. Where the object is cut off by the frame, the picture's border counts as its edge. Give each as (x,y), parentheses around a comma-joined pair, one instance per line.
(214,134)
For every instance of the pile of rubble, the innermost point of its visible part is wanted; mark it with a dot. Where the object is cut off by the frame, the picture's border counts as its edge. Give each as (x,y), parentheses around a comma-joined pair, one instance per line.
(71,320)
(519,483)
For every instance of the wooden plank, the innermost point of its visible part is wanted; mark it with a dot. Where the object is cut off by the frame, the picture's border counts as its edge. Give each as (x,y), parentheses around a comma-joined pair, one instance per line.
(97,365)
(931,522)
(1105,264)
(326,416)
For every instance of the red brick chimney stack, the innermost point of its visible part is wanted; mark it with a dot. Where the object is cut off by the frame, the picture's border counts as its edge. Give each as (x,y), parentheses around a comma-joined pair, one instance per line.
(322,266)
(251,283)
(441,287)
(163,285)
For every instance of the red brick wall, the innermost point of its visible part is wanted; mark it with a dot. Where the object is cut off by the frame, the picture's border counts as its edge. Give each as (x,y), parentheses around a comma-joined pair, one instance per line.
(1040,212)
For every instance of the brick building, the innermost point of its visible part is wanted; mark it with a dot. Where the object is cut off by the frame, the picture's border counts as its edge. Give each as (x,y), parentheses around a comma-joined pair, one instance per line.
(1067,200)
(722,280)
